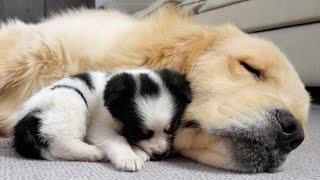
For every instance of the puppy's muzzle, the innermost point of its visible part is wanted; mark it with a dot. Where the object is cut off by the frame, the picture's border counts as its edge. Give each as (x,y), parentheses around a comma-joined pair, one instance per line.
(160,156)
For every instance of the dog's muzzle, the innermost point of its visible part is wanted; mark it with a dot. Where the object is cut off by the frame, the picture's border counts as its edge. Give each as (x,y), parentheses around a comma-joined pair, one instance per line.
(292,134)
(264,149)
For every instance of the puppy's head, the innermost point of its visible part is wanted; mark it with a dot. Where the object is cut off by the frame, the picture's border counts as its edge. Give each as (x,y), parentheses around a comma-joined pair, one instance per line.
(148,105)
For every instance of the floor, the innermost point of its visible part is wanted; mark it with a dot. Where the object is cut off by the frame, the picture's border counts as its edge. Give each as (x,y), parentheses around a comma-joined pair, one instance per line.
(303,163)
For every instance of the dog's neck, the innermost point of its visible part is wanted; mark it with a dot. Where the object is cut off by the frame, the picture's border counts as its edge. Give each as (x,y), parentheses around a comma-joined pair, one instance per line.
(179,53)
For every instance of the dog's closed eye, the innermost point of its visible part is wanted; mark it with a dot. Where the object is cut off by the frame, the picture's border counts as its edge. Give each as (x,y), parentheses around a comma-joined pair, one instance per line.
(256,72)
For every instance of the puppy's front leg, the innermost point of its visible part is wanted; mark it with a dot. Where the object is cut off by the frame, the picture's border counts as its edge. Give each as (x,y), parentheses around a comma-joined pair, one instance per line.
(120,153)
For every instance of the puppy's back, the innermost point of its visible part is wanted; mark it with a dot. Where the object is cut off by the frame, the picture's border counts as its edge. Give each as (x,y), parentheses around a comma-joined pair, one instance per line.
(58,105)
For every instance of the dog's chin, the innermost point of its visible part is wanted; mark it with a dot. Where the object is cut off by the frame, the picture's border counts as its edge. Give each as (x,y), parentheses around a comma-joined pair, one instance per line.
(254,151)
(250,156)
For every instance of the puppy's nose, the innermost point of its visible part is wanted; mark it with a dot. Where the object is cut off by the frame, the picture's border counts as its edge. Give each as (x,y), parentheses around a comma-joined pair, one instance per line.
(160,156)
(292,131)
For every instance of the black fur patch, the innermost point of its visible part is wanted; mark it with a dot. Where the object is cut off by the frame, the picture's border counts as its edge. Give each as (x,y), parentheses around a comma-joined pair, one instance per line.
(119,99)
(119,87)
(148,87)
(86,78)
(72,88)
(180,89)
(178,85)
(27,140)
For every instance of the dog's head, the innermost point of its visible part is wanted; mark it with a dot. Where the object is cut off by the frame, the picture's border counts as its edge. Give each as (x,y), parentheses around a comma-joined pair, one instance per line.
(148,106)
(248,99)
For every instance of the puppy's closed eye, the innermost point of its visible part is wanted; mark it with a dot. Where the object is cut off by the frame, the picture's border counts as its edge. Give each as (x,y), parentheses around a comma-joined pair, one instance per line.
(147,133)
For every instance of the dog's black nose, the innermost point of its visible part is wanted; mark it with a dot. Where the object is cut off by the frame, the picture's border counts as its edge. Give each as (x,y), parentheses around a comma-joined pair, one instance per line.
(292,133)
(160,156)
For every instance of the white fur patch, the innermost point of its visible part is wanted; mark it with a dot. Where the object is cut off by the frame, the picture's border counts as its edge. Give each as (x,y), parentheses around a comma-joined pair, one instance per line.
(156,111)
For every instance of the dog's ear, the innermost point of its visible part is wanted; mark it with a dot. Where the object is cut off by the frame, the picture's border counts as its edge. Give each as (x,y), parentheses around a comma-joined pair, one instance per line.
(119,88)
(177,84)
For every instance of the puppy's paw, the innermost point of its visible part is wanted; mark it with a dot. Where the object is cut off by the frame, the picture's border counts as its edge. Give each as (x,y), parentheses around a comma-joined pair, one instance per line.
(96,155)
(131,162)
(101,156)
(141,153)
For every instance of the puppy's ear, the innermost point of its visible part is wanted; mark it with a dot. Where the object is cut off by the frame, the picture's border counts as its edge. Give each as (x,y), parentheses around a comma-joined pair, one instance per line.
(177,84)
(119,88)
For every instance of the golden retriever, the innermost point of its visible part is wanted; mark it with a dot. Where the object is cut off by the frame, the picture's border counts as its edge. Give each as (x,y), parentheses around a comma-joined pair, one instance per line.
(249,108)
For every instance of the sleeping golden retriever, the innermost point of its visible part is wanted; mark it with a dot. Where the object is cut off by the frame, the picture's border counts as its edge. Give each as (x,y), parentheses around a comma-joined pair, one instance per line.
(249,108)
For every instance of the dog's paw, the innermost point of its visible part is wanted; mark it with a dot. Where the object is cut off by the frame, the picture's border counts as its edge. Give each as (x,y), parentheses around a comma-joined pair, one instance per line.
(132,162)
(141,153)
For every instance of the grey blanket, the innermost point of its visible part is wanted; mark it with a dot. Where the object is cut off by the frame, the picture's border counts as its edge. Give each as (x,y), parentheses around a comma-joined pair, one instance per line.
(303,163)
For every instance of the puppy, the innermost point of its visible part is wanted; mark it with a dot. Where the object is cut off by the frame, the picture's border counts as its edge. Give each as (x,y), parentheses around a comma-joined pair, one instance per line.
(127,117)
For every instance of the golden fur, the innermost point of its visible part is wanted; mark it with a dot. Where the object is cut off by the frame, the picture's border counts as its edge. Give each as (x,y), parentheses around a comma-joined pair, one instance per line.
(32,56)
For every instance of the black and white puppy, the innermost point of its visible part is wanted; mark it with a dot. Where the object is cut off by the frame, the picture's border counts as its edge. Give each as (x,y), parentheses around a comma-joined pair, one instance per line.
(126,117)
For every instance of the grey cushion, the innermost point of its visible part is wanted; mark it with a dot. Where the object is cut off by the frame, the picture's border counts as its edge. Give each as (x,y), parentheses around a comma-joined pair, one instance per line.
(257,15)
(127,6)
(194,6)
(303,163)
(249,15)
